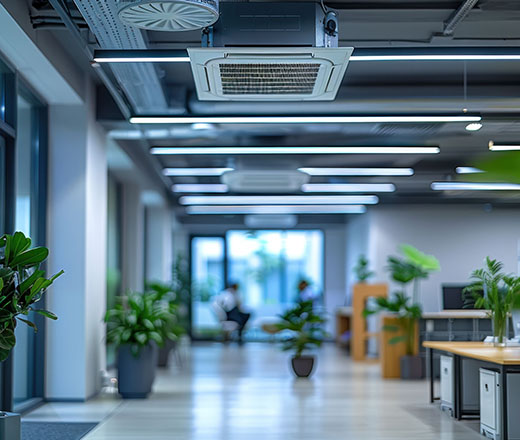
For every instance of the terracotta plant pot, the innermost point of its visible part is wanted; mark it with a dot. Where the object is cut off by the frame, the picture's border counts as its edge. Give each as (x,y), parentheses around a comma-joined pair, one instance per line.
(302,365)
(411,367)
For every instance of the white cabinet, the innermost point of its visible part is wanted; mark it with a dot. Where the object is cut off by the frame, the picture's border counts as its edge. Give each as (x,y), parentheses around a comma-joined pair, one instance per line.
(447,383)
(490,403)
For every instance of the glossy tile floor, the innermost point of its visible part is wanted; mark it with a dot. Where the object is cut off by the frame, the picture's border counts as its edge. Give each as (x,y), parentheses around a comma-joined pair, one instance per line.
(248,393)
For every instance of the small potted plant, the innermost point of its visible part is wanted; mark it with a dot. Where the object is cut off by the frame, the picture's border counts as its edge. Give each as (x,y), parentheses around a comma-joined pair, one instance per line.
(411,268)
(22,284)
(137,326)
(305,329)
(498,294)
(363,273)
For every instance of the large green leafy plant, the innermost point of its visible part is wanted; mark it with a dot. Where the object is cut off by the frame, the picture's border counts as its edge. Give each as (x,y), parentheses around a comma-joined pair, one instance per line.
(305,326)
(496,292)
(139,319)
(22,284)
(172,327)
(412,267)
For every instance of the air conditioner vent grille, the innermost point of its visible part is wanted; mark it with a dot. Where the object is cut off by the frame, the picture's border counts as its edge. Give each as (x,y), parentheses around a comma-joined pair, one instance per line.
(268,79)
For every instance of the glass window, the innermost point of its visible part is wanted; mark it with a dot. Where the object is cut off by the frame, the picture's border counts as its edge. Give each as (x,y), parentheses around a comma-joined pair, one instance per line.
(208,279)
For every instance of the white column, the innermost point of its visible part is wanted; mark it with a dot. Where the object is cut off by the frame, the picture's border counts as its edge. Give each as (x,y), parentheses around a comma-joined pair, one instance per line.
(75,351)
(159,240)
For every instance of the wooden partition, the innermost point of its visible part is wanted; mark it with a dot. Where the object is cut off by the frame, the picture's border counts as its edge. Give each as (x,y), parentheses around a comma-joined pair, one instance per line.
(390,354)
(360,335)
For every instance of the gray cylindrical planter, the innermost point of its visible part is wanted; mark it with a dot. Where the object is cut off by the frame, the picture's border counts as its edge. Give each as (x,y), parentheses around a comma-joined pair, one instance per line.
(10,426)
(302,365)
(411,367)
(136,374)
(164,353)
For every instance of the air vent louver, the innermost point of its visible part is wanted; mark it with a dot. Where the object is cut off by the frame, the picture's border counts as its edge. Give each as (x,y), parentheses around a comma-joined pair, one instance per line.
(268,74)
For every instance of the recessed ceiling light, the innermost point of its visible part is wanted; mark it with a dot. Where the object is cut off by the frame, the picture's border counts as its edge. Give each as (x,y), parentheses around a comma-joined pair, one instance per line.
(279,200)
(202,126)
(291,150)
(439,57)
(474,126)
(277,209)
(348,187)
(474,186)
(301,119)
(199,172)
(199,188)
(468,170)
(358,171)
(495,147)
(141,56)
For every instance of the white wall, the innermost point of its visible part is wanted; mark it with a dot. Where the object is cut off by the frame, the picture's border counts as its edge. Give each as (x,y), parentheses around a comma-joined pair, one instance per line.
(459,236)
(159,240)
(77,219)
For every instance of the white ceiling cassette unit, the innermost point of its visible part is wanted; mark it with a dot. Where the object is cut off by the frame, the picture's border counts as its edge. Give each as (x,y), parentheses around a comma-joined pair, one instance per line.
(265,181)
(270,51)
(269,73)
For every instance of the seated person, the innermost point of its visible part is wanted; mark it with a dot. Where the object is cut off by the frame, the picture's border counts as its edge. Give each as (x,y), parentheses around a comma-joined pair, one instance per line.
(230,302)
(306,292)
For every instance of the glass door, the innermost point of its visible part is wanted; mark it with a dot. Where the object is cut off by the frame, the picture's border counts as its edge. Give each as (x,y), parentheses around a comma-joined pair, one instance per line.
(208,275)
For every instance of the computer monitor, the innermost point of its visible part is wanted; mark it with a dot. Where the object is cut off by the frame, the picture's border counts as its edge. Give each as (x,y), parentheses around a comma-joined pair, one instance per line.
(454,298)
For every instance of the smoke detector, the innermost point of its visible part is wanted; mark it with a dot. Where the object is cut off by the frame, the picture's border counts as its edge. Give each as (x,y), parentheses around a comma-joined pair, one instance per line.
(265,181)
(269,74)
(169,15)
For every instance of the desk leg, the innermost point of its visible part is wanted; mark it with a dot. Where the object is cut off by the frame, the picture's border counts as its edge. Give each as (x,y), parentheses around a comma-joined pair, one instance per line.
(457,404)
(429,363)
(503,371)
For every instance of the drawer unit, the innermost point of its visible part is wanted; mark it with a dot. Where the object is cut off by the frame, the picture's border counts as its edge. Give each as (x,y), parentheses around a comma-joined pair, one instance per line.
(490,403)
(447,384)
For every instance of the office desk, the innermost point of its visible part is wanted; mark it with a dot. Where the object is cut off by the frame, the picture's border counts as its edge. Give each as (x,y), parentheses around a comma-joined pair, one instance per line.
(506,360)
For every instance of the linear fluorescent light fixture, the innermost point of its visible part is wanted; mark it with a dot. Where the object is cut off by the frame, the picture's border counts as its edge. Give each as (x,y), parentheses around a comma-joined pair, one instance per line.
(474,186)
(279,200)
(199,188)
(496,147)
(358,171)
(277,209)
(303,119)
(197,172)
(141,56)
(468,170)
(359,55)
(291,150)
(348,187)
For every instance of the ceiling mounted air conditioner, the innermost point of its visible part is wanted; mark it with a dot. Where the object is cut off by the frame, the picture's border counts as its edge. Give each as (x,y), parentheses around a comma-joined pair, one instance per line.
(268,74)
(270,51)
(265,181)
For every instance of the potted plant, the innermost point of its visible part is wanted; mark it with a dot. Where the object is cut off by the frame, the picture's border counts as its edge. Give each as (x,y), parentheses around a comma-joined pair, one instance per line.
(412,267)
(498,294)
(22,284)
(137,325)
(363,274)
(306,330)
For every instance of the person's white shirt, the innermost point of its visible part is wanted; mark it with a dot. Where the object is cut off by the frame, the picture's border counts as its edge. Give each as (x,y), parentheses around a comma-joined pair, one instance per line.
(308,294)
(228,299)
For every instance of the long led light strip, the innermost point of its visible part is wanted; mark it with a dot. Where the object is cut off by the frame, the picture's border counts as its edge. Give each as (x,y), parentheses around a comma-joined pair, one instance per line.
(474,186)
(279,200)
(301,119)
(198,172)
(358,171)
(348,187)
(468,170)
(199,188)
(360,55)
(494,147)
(277,209)
(291,150)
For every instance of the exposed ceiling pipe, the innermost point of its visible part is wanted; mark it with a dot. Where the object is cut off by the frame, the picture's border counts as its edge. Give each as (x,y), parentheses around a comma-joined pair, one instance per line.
(459,15)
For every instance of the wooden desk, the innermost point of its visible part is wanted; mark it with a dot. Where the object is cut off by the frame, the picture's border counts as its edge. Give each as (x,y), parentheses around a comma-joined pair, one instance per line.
(343,324)
(504,359)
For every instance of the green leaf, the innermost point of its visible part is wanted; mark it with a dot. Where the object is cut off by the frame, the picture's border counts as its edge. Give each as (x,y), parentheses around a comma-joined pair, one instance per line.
(391,328)
(7,339)
(426,262)
(29,323)
(31,257)
(397,339)
(46,313)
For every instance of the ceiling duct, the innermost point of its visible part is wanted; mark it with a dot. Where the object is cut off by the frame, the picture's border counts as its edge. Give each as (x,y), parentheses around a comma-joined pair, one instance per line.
(139,81)
(265,181)
(264,221)
(270,52)
(169,15)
